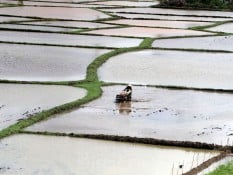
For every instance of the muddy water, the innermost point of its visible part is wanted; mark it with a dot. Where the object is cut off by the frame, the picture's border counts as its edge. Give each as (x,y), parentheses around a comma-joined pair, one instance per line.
(126,3)
(75,24)
(227,28)
(33,63)
(165,11)
(154,113)
(174,68)
(21,101)
(70,156)
(167,17)
(209,43)
(146,32)
(35,28)
(160,23)
(55,12)
(66,39)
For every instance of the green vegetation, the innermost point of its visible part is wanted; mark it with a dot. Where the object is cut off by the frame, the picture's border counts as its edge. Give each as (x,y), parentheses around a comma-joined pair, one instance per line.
(226,169)
(91,84)
(199,4)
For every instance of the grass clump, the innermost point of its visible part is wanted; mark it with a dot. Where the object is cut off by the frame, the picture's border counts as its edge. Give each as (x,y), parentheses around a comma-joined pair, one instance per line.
(226,169)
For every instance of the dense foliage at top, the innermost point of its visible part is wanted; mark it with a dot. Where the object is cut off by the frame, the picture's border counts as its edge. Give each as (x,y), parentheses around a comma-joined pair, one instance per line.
(209,4)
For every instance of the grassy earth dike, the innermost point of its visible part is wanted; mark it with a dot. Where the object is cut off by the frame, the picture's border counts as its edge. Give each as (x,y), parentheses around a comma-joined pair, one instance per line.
(198,4)
(91,84)
(226,169)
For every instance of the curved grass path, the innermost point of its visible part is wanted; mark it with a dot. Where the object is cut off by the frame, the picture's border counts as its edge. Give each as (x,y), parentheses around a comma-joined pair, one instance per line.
(91,84)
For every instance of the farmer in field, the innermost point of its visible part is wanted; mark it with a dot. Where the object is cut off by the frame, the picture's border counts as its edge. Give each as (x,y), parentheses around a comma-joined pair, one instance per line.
(125,95)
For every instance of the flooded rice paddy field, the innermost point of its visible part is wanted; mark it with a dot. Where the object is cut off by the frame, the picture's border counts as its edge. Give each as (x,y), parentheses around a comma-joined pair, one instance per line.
(106,157)
(226,28)
(176,12)
(33,63)
(12,19)
(223,43)
(36,28)
(70,24)
(167,17)
(20,101)
(146,32)
(159,23)
(34,47)
(60,4)
(67,39)
(170,68)
(54,13)
(153,113)
(126,3)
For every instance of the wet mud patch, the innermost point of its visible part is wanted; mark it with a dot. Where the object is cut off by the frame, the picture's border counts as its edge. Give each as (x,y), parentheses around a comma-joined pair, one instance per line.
(170,68)
(153,113)
(107,157)
(18,102)
(45,63)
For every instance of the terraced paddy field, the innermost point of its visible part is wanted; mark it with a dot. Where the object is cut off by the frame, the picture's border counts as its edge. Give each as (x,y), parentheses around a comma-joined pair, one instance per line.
(21,101)
(107,157)
(64,61)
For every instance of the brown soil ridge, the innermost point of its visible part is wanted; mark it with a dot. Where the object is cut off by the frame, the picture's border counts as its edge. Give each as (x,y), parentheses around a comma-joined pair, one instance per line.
(206,164)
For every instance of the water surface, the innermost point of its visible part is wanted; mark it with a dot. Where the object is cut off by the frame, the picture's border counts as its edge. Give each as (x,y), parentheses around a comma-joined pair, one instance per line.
(208,43)
(176,12)
(227,28)
(126,3)
(35,28)
(173,68)
(146,32)
(31,152)
(168,17)
(75,24)
(153,113)
(55,13)
(66,39)
(45,63)
(20,101)
(160,23)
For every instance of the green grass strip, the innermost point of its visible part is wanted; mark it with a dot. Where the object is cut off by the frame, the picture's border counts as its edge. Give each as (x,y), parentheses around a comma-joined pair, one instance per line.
(93,91)
(226,169)
(91,84)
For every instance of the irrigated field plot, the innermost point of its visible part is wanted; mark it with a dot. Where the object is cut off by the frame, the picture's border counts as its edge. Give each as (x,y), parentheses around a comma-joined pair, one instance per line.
(45,63)
(153,113)
(67,39)
(171,68)
(70,155)
(222,43)
(54,13)
(146,32)
(22,101)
